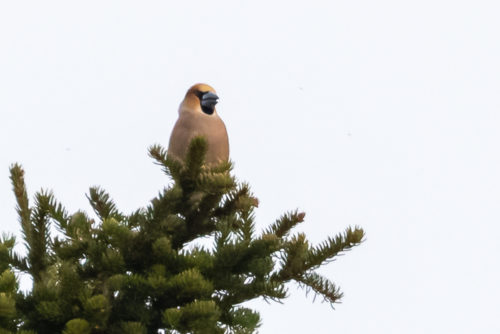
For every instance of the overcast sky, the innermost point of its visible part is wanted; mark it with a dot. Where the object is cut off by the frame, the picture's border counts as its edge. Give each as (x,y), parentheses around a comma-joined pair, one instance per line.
(383,114)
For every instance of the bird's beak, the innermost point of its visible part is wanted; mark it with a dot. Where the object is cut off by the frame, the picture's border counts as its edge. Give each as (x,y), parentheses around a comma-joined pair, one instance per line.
(209,100)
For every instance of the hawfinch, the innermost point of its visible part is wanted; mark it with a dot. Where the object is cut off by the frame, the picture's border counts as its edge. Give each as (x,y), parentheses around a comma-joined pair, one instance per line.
(198,117)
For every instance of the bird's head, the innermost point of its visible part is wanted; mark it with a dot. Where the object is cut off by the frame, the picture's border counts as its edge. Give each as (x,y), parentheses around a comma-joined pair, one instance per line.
(200,98)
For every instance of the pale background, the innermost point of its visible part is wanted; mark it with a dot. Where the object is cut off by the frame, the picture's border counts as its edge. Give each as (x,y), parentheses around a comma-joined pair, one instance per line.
(383,114)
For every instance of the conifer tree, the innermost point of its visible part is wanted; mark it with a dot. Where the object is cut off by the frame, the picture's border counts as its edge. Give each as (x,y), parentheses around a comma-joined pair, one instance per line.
(145,271)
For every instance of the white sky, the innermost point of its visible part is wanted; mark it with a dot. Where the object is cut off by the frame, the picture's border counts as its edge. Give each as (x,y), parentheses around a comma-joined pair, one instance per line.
(378,113)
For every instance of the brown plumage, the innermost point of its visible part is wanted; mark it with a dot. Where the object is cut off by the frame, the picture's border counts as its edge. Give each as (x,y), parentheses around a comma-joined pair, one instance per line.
(198,117)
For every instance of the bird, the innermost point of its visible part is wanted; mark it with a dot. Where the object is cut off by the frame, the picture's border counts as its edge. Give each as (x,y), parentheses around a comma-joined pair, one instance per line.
(198,117)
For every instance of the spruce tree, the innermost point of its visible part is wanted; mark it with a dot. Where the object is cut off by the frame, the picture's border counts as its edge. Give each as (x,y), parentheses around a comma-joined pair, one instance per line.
(145,271)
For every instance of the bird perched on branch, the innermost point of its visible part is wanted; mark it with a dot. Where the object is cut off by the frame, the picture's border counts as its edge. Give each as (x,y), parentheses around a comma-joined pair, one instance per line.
(198,117)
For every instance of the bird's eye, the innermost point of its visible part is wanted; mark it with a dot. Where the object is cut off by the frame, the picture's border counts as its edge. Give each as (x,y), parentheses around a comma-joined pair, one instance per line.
(199,94)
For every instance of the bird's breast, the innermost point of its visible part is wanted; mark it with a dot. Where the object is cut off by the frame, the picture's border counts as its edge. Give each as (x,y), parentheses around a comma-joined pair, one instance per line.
(190,125)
